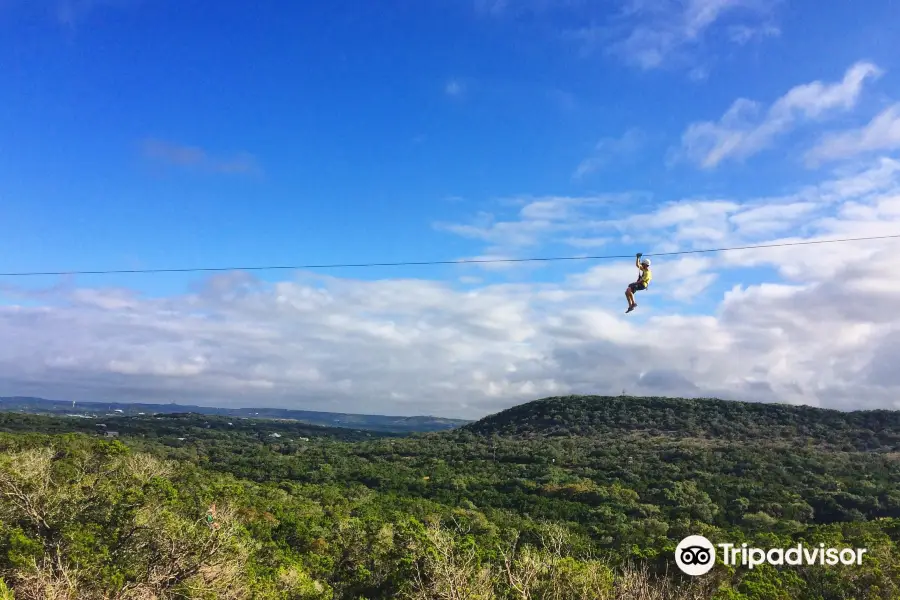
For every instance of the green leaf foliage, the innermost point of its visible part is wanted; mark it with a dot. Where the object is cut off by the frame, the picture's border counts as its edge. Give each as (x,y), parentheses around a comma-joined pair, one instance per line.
(578,497)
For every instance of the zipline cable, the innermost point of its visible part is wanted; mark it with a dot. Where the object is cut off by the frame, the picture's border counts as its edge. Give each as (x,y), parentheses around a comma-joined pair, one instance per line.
(438,262)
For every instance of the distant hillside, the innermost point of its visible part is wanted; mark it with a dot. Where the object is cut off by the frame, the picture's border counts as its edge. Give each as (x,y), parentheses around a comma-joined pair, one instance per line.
(380,423)
(598,416)
(188,428)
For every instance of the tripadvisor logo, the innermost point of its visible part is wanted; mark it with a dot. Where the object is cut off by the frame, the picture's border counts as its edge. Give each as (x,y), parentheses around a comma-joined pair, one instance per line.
(695,555)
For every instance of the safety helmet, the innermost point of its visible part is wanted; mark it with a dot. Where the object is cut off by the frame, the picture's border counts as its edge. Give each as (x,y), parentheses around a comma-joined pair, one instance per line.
(646,262)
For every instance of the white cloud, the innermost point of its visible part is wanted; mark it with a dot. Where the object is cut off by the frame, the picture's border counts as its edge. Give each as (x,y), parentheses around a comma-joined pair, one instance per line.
(882,133)
(819,328)
(454,87)
(566,101)
(680,278)
(683,278)
(608,150)
(507,234)
(857,204)
(881,176)
(771,219)
(586,242)
(491,7)
(541,218)
(698,74)
(660,30)
(744,34)
(743,132)
(196,158)
(70,12)
(519,8)
(647,34)
(698,222)
(497,262)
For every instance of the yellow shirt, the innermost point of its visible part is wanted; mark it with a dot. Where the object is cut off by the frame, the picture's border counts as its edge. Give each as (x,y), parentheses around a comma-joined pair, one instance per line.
(646,276)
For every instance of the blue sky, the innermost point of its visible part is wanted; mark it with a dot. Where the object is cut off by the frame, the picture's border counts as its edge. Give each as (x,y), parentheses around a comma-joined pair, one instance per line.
(155,134)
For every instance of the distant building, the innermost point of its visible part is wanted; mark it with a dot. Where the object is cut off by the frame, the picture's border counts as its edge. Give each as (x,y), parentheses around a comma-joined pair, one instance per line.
(112,434)
(275,435)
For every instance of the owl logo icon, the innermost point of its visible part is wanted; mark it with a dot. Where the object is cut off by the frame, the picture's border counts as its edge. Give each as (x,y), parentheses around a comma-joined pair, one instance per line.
(695,555)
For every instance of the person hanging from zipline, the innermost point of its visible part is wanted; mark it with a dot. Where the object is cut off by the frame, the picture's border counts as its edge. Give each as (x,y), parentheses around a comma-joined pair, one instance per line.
(642,283)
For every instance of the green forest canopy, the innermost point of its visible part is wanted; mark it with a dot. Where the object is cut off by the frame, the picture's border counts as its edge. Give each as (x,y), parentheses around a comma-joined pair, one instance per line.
(596,491)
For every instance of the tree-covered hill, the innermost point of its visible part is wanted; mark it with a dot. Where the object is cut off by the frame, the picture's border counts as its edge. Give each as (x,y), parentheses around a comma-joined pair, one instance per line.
(187,428)
(599,416)
(99,410)
(580,498)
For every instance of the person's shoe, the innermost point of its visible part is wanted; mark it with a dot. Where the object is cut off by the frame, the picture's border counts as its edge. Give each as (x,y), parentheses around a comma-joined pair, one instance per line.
(630,308)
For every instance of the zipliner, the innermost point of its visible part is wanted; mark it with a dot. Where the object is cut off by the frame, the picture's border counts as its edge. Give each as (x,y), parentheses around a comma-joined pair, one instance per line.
(642,283)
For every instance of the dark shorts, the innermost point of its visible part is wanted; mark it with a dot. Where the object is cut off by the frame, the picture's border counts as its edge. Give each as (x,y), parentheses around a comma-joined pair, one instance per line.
(637,286)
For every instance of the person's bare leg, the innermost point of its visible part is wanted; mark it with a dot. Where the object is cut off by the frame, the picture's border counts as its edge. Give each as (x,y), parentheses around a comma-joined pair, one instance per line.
(629,295)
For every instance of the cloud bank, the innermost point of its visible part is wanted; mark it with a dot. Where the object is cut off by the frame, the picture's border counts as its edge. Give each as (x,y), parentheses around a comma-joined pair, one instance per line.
(820,328)
(743,132)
